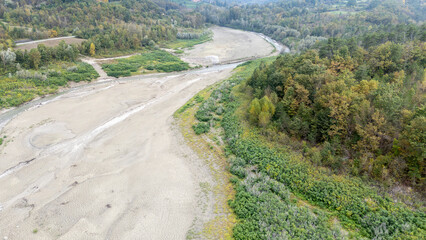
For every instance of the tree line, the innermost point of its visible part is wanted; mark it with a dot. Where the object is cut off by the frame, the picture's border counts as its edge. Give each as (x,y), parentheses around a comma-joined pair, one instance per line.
(360,111)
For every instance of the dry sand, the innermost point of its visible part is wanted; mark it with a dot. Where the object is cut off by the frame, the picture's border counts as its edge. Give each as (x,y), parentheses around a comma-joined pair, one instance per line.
(228,45)
(103,161)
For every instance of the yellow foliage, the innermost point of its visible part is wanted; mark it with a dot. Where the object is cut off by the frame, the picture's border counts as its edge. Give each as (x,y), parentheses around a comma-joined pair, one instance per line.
(92,49)
(365,87)
(53,33)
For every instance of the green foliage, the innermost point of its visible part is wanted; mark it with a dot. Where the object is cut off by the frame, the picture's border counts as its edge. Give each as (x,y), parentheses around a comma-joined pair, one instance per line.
(254,110)
(157,60)
(350,106)
(198,99)
(212,109)
(266,211)
(201,128)
(266,175)
(261,112)
(35,58)
(117,25)
(26,85)
(188,43)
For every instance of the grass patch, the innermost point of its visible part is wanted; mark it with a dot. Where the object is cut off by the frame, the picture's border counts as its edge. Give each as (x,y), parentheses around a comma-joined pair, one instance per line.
(109,53)
(188,43)
(158,60)
(186,3)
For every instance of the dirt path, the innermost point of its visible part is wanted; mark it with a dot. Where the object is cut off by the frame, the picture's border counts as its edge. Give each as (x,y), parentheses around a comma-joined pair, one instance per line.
(103,161)
(96,64)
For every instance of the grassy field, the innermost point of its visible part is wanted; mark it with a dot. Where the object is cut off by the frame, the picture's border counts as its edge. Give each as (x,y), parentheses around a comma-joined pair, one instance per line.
(26,85)
(186,3)
(281,194)
(187,43)
(109,53)
(49,43)
(153,61)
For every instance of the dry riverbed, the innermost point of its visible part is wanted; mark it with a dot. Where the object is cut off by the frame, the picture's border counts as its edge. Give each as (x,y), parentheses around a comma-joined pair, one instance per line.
(228,45)
(105,161)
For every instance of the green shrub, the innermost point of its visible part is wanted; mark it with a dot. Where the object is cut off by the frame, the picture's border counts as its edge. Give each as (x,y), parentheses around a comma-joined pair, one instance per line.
(201,128)
(157,60)
(23,87)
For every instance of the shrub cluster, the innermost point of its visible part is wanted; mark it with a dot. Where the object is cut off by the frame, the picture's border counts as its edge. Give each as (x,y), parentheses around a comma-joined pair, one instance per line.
(25,85)
(157,60)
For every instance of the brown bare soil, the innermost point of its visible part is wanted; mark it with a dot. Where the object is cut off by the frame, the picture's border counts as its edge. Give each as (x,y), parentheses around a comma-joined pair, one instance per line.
(49,43)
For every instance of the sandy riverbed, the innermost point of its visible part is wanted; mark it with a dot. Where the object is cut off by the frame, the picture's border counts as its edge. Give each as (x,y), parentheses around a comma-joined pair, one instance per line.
(227,46)
(105,162)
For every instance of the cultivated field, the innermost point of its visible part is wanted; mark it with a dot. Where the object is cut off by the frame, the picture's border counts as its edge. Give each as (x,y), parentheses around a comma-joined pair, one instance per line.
(49,42)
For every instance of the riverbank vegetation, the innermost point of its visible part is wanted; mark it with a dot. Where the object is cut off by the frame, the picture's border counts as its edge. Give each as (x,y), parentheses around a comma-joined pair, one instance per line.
(188,39)
(282,192)
(25,75)
(25,85)
(157,60)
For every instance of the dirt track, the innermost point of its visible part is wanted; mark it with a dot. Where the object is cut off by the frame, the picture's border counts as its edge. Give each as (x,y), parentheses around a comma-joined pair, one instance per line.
(104,162)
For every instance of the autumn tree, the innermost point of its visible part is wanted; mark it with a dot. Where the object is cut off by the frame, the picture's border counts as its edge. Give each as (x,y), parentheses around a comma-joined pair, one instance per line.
(92,49)
(35,58)
(53,33)
(254,110)
(261,111)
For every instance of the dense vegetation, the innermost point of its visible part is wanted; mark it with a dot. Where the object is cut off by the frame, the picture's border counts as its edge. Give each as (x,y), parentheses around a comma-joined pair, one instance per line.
(25,75)
(362,110)
(160,61)
(300,24)
(118,25)
(283,194)
(25,85)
